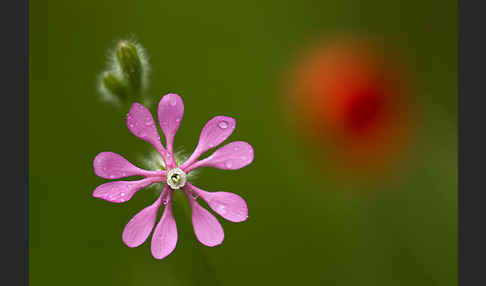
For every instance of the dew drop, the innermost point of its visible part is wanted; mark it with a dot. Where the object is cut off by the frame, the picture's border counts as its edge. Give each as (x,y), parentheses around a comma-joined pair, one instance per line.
(178,120)
(221,209)
(173,101)
(223,124)
(228,164)
(122,194)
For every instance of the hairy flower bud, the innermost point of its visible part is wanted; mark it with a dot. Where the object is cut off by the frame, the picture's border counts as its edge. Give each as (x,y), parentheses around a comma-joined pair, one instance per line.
(130,64)
(125,79)
(114,85)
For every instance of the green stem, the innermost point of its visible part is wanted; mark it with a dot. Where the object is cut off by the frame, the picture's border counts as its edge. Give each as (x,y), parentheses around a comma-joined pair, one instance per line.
(187,213)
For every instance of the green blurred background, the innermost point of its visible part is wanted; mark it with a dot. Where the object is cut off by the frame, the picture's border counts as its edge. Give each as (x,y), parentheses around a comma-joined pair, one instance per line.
(229,58)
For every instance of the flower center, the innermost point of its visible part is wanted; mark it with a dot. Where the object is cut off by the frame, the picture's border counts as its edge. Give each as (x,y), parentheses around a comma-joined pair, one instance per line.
(176,178)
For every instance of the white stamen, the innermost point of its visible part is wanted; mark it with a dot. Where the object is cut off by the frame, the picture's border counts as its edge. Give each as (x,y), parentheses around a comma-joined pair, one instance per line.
(176,178)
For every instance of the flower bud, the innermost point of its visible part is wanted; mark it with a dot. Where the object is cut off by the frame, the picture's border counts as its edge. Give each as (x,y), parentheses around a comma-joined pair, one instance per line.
(114,85)
(125,79)
(130,64)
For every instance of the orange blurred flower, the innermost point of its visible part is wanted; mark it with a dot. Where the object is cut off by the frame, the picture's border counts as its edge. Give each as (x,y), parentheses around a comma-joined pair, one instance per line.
(354,102)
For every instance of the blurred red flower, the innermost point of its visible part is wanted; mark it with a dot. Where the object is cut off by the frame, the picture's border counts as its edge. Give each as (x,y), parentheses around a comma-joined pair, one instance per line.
(354,103)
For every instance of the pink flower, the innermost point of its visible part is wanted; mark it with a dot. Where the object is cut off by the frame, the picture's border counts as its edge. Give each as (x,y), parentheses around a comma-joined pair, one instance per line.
(232,156)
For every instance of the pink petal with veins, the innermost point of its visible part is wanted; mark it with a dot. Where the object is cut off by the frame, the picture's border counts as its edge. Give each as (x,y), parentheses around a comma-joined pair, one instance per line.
(140,226)
(228,205)
(120,191)
(171,110)
(142,124)
(207,228)
(164,239)
(232,156)
(111,165)
(215,131)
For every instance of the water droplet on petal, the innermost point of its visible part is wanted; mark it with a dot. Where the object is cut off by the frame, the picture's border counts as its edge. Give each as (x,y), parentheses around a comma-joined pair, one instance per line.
(228,164)
(173,101)
(223,124)
(222,209)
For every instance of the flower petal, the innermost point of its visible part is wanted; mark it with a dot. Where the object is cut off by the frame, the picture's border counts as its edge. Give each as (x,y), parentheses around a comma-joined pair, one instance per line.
(207,228)
(232,156)
(140,226)
(120,191)
(228,205)
(171,110)
(142,124)
(111,165)
(215,131)
(164,239)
